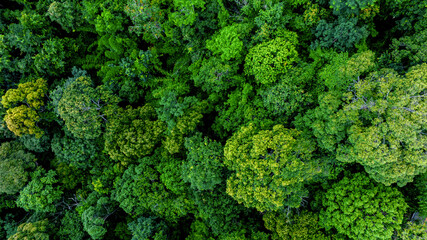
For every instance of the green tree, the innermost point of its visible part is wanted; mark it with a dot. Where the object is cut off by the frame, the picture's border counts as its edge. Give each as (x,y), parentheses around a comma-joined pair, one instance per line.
(75,152)
(304,225)
(220,212)
(342,34)
(387,112)
(40,194)
(23,105)
(270,167)
(132,133)
(214,75)
(32,143)
(185,13)
(140,190)
(71,226)
(421,184)
(362,209)
(227,43)
(32,231)
(291,94)
(83,107)
(66,14)
(413,231)
(94,217)
(203,168)
(269,59)
(13,164)
(145,228)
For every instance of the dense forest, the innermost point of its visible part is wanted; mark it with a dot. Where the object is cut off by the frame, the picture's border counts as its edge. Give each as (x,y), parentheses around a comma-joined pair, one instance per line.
(213,119)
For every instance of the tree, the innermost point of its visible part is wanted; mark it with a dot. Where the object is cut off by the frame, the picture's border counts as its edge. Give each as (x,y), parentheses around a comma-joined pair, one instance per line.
(65,14)
(304,225)
(203,168)
(342,34)
(362,209)
(83,107)
(421,184)
(291,94)
(269,59)
(140,190)
(32,143)
(145,228)
(71,226)
(40,194)
(220,212)
(23,105)
(28,231)
(227,43)
(185,13)
(270,167)
(387,112)
(214,75)
(413,231)
(75,152)
(13,164)
(94,217)
(132,133)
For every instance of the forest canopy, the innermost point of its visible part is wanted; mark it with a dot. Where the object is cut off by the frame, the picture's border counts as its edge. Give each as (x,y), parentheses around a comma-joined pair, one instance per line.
(213,119)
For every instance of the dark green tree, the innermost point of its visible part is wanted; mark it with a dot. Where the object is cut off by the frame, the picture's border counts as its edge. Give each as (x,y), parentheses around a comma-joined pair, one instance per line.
(14,162)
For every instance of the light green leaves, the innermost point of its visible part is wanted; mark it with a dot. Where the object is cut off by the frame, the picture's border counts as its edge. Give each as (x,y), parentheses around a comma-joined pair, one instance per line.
(269,59)
(362,209)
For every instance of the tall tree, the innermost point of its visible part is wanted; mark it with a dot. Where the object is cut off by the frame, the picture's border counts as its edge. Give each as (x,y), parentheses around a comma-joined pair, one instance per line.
(13,164)
(362,209)
(24,105)
(270,167)
(83,107)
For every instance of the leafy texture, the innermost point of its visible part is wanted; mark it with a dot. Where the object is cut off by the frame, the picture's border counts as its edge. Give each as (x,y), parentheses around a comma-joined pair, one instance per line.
(362,209)
(270,167)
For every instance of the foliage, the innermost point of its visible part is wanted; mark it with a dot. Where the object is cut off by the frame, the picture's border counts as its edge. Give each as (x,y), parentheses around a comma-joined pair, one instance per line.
(342,34)
(32,143)
(22,119)
(132,133)
(362,209)
(227,43)
(148,228)
(75,152)
(223,119)
(386,134)
(140,190)
(271,167)
(40,194)
(421,184)
(13,164)
(219,212)
(84,108)
(71,226)
(290,94)
(413,231)
(36,230)
(304,225)
(267,60)
(203,168)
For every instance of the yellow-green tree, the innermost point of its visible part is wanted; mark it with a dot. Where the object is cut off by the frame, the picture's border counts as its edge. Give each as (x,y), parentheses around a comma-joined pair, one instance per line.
(270,167)
(32,230)
(362,209)
(304,225)
(388,113)
(23,105)
(133,133)
(83,107)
